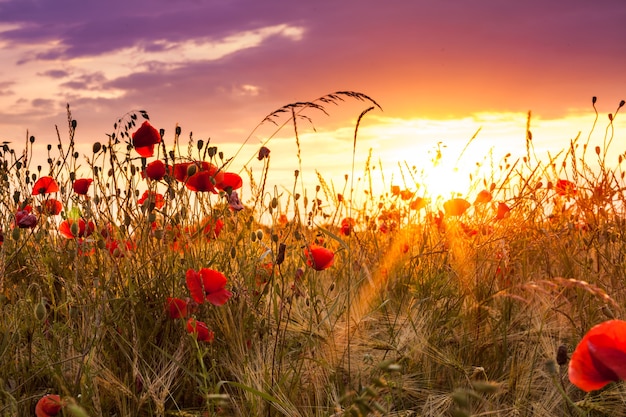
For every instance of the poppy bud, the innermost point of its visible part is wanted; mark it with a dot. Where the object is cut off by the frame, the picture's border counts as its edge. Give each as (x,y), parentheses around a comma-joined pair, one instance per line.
(40,311)
(15,234)
(259,234)
(96,147)
(178,131)
(191,170)
(594,99)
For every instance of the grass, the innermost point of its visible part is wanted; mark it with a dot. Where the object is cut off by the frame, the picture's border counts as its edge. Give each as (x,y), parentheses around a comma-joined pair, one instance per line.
(423,312)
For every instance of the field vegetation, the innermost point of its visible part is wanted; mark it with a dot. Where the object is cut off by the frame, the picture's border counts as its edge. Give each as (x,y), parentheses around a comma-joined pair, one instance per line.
(152,278)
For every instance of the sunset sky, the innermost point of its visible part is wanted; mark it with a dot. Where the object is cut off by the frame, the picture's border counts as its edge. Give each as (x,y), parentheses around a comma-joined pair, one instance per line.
(440,70)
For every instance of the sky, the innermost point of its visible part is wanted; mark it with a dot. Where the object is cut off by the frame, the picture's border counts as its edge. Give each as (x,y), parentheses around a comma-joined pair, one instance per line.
(440,70)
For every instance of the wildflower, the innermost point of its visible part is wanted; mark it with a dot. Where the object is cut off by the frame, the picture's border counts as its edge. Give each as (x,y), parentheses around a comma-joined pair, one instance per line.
(152,199)
(406,195)
(395,190)
(212,228)
(417,204)
(155,170)
(117,248)
(456,206)
(503,211)
(176,308)
(600,357)
(207,284)
(347,226)
(25,220)
(48,405)
(318,257)
(483,197)
(51,207)
(231,181)
(264,152)
(199,176)
(200,330)
(81,185)
(45,185)
(565,188)
(145,138)
(71,229)
(234,202)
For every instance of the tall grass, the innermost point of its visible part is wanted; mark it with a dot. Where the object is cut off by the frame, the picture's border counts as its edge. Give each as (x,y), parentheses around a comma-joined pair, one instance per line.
(423,312)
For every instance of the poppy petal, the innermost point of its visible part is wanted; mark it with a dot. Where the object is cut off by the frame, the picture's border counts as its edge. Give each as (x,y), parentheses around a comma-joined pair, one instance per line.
(45,185)
(219,297)
(600,357)
(194,284)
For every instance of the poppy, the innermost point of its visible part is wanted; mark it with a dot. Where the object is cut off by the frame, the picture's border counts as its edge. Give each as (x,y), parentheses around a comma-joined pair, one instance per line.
(230,180)
(81,185)
(51,207)
(200,330)
(483,197)
(565,188)
(455,206)
(503,211)
(201,182)
(25,220)
(212,228)
(45,185)
(71,229)
(207,284)
(150,197)
(113,245)
(600,357)
(155,170)
(176,308)
(406,195)
(318,257)
(145,138)
(347,225)
(417,204)
(48,405)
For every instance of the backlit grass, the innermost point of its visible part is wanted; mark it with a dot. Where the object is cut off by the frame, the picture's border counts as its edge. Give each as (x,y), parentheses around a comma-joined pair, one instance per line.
(428,308)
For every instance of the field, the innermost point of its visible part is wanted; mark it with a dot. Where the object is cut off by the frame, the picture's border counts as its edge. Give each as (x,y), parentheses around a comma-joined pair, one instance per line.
(186,301)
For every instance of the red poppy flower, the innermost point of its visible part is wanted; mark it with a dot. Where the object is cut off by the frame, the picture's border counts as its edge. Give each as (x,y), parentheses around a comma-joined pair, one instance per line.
(456,206)
(81,185)
(483,197)
(212,228)
(347,225)
(600,357)
(230,179)
(417,204)
(48,405)
(503,211)
(117,248)
(176,308)
(318,257)
(207,284)
(25,220)
(70,229)
(406,195)
(200,330)
(45,185)
(155,170)
(152,197)
(51,207)
(565,188)
(201,182)
(145,138)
